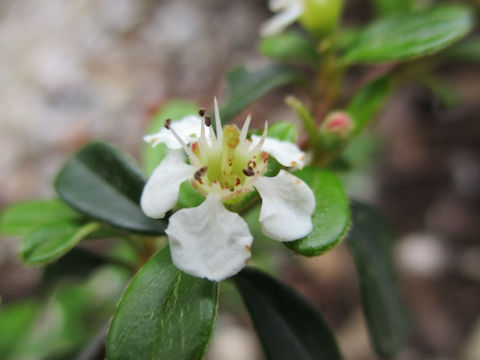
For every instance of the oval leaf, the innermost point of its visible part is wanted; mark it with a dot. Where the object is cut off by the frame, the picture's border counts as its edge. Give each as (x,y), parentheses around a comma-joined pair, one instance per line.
(331,218)
(288,326)
(51,241)
(370,242)
(410,35)
(164,314)
(103,183)
(290,47)
(247,86)
(22,218)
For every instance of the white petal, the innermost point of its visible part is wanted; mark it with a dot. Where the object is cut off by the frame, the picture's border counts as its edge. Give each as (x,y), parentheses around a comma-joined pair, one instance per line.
(286,153)
(279,22)
(160,194)
(287,206)
(209,241)
(188,129)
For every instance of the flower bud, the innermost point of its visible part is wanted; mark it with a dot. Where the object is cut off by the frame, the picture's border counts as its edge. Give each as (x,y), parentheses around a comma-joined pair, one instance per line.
(337,123)
(321,16)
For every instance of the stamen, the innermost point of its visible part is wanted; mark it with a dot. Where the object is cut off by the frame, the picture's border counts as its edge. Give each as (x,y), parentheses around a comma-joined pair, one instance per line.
(246,125)
(208,120)
(168,122)
(201,111)
(248,171)
(218,123)
(258,147)
(203,138)
(193,158)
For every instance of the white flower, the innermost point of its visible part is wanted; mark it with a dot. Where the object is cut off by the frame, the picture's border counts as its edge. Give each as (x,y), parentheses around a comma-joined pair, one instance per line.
(209,240)
(288,12)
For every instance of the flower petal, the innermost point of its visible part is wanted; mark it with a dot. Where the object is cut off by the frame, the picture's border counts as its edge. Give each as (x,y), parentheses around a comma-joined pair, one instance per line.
(293,9)
(287,206)
(160,194)
(286,153)
(187,128)
(209,241)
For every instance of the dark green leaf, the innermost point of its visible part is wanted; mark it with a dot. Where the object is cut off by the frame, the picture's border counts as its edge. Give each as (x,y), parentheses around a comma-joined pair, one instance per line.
(370,242)
(392,7)
(288,326)
(51,241)
(331,218)
(367,102)
(22,218)
(289,47)
(175,110)
(103,183)
(247,86)
(15,323)
(164,314)
(410,35)
(467,50)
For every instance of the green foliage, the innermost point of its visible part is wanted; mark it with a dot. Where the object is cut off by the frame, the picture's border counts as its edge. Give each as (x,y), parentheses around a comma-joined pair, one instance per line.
(22,218)
(331,218)
(163,314)
(247,86)
(284,131)
(175,110)
(367,102)
(467,50)
(370,242)
(290,47)
(410,35)
(391,7)
(49,242)
(103,183)
(288,326)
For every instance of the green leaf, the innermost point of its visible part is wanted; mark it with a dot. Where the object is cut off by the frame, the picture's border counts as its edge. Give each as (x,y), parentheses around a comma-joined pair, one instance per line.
(367,102)
(164,314)
(247,86)
(22,218)
(370,242)
(288,326)
(289,47)
(410,35)
(103,183)
(331,218)
(284,131)
(51,241)
(16,321)
(391,7)
(175,110)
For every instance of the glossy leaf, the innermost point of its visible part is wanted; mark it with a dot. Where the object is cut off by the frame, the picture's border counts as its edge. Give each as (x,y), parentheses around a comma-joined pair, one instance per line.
(175,110)
(164,314)
(289,47)
(51,241)
(288,326)
(370,242)
(331,218)
(410,35)
(22,218)
(367,102)
(103,183)
(247,86)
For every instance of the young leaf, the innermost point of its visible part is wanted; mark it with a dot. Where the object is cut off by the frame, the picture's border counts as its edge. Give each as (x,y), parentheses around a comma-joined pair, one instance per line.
(410,35)
(164,314)
(289,47)
(367,102)
(288,326)
(22,218)
(175,110)
(331,218)
(103,183)
(247,86)
(51,241)
(370,242)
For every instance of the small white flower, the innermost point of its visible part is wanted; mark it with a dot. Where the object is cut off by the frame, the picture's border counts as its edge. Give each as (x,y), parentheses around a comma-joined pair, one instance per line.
(288,12)
(209,240)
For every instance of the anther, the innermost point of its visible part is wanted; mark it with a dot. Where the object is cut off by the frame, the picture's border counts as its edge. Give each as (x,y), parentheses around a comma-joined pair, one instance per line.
(248,171)
(201,112)
(168,122)
(208,120)
(199,173)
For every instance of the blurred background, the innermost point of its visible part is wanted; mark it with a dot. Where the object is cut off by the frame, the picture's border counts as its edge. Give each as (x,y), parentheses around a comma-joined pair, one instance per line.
(80,70)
